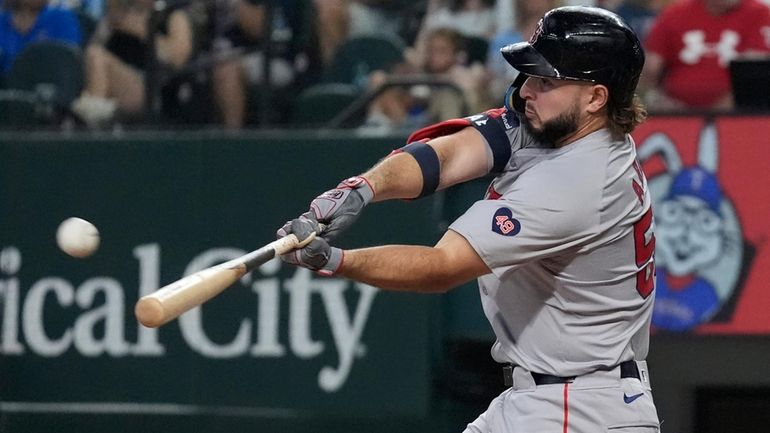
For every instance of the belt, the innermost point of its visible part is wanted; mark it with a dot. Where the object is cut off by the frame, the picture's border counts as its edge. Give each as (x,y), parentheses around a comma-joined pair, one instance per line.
(628,369)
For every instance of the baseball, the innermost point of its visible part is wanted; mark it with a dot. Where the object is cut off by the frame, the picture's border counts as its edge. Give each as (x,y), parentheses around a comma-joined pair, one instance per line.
(77,237)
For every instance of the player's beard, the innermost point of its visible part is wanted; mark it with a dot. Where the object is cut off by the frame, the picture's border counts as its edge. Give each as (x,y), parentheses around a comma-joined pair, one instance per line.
(555,129)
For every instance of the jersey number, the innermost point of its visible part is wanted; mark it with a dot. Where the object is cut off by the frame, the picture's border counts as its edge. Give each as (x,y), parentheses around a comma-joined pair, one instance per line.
(645,278)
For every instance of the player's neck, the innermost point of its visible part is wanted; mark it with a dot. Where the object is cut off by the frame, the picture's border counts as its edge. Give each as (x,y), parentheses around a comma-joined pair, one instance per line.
(23,19)
(590,125)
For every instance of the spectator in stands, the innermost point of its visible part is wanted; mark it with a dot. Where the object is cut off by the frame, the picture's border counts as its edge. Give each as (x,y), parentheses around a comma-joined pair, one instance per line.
(243,26)
(24,22)
(474,20)
(377,16)
(689,49)
(93,9)
(88,13)
(527,14)
(339,20)
(118,56)
(400,108)
(333,22)
(445,58)
(641,14)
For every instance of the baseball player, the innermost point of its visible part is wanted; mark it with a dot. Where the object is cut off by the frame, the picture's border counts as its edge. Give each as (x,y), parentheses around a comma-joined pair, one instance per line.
(562,243)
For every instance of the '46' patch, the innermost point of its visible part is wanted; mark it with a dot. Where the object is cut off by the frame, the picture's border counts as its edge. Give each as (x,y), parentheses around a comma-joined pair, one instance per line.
(504,223)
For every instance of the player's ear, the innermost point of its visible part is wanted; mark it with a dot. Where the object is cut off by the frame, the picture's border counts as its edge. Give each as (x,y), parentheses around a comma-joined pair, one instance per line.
(599,96)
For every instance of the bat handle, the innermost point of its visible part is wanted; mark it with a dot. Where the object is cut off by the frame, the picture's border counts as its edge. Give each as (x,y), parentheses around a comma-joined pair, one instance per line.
(291,242)
(276,248)
(303,243)
(307,240)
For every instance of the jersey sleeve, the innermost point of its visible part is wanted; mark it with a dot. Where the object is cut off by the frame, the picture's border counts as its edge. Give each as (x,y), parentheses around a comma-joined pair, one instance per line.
(535,219)
(494,125)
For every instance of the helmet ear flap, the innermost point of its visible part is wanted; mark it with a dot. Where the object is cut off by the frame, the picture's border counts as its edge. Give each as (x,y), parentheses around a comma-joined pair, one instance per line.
(513,101)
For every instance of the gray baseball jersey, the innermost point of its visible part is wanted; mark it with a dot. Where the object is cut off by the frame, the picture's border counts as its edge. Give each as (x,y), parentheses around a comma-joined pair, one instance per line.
(567,233)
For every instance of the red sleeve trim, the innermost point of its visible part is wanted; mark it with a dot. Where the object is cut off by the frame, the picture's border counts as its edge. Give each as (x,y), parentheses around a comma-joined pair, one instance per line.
(441,129)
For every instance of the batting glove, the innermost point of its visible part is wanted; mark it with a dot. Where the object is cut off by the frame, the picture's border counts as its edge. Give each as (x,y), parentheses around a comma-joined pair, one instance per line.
(340,207)
(318,255)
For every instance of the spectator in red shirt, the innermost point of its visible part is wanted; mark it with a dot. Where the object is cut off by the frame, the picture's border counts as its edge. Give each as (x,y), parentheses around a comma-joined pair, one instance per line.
(689,49)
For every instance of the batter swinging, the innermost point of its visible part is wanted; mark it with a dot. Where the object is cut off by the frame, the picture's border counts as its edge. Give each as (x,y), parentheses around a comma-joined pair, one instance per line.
(562,244)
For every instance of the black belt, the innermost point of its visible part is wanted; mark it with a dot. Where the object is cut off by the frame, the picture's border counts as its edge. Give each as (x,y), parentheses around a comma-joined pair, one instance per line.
(628,369)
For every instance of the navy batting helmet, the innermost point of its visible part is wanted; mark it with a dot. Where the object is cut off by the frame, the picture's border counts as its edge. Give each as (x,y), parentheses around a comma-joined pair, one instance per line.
(580,43)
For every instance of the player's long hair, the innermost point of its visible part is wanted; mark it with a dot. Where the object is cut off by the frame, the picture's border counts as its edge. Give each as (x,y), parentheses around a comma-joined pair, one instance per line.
(623,120)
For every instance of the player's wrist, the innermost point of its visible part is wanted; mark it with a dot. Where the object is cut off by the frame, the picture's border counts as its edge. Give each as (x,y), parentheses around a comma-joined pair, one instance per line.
(333,265)
(361,185)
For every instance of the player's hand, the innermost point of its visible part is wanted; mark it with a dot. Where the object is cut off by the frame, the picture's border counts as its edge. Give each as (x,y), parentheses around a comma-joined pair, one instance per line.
(338,208)
(318,255)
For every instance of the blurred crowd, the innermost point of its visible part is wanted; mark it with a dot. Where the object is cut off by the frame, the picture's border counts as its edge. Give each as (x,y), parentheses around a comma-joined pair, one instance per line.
(374,64)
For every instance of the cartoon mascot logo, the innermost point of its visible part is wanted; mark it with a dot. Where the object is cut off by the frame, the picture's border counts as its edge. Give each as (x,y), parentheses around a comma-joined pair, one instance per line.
(699,250)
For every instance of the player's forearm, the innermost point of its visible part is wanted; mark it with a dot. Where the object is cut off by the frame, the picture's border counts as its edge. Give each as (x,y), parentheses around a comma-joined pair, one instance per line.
(395,177)
(461,156)
(406,268)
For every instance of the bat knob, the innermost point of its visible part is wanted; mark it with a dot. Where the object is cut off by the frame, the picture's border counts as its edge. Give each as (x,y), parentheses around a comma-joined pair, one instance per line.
(150,312)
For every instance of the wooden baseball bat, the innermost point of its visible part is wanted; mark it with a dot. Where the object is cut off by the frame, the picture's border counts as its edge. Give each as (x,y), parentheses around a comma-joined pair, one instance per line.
(170,301)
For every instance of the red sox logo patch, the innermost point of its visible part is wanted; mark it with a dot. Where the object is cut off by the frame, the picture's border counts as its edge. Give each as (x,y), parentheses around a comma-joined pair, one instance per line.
(504,223)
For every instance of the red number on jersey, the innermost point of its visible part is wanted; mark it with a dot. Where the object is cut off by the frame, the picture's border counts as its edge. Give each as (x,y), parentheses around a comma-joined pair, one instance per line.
(645,278)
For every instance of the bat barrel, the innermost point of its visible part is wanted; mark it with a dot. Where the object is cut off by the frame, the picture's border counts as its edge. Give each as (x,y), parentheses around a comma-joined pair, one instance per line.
(170,301)
(149,312)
